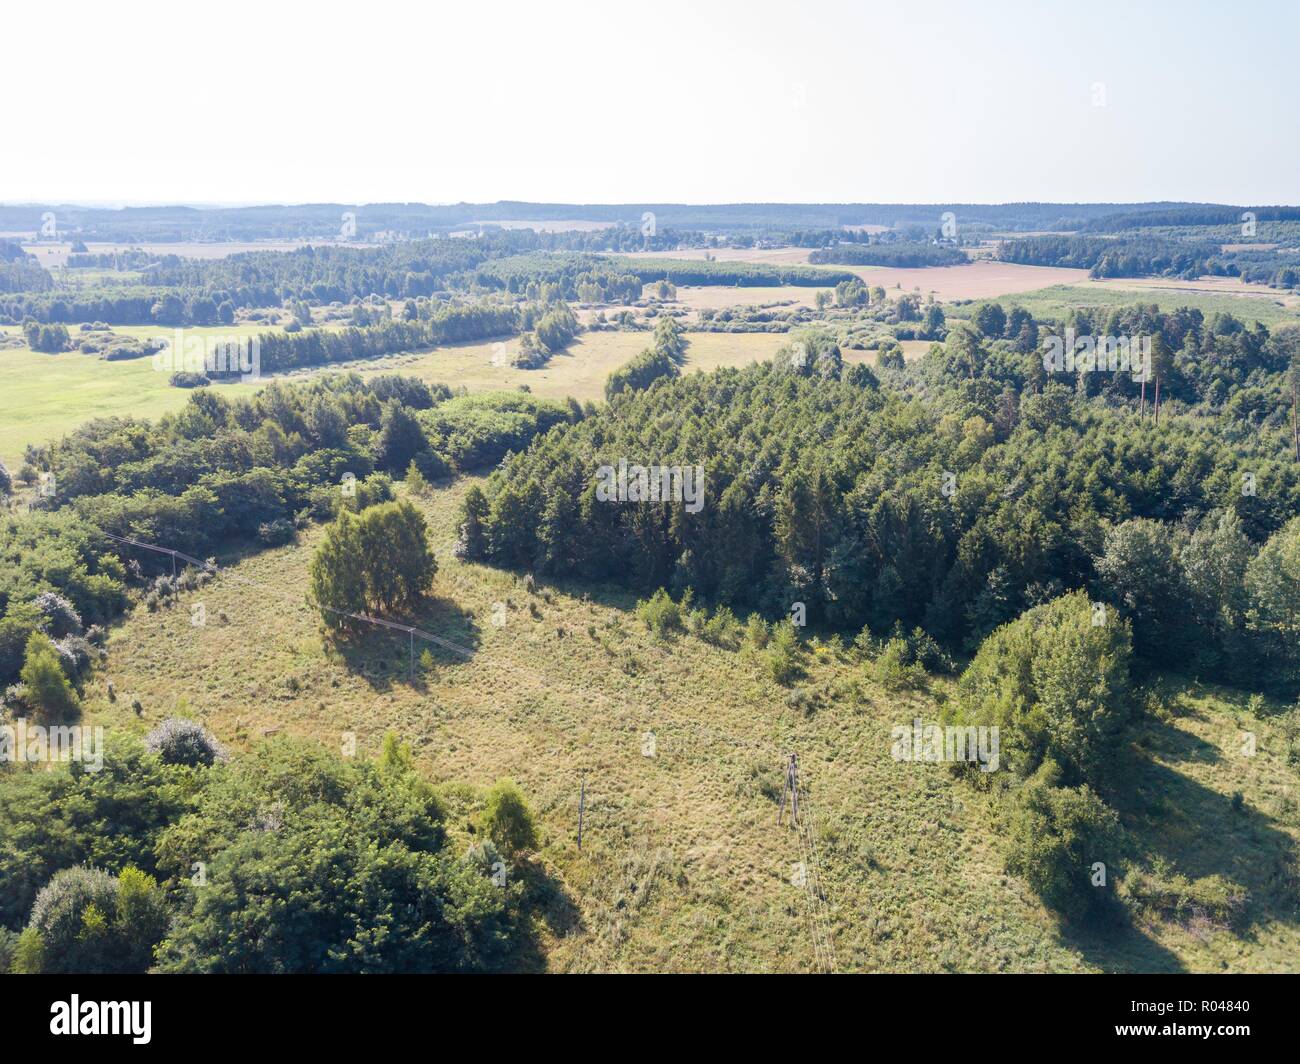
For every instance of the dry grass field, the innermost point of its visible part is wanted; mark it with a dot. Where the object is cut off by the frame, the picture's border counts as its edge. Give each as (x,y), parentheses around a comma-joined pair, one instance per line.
(580,371)
(683,867)
(720,297)
(984,279)
(777,256)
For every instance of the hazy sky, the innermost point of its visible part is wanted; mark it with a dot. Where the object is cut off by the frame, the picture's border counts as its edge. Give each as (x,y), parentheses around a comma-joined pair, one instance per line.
(664,101)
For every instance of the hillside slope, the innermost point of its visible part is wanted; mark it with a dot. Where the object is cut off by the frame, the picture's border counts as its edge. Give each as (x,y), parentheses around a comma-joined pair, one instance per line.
(683,866)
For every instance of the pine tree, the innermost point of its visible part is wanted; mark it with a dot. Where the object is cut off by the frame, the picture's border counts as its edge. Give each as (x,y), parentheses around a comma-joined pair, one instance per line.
(474,514)
(338,585)
(415,481)
(1162,361)
(400,438)
(48,689)
(1293,379)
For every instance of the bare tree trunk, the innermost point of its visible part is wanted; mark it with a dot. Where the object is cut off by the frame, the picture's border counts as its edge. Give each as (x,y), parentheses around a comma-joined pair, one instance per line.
(1295,419)
(1157,400)
(1142,409)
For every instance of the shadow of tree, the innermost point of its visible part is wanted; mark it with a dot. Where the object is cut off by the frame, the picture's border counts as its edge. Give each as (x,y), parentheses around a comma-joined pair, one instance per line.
(1177,744)
(386,658)
(553,902)
(1114,943)
(548,905)
(607,595)
(1194,831)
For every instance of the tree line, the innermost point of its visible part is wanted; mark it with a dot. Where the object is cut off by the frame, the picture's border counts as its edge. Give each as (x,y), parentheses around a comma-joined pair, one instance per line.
(954,513)
(1147,256)
(911,255)
(662,359)
(216,474)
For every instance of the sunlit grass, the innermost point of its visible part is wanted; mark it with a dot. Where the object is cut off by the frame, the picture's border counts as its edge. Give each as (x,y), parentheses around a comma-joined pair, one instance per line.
(683,866)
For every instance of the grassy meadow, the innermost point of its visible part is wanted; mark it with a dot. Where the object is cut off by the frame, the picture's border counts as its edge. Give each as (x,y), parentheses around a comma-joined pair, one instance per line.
(1057,301)
(43,396)
(580,371)
(683,866)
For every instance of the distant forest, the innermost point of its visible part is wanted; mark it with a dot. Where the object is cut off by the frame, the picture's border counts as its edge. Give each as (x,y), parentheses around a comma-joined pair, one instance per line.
(1142,257)
(178,291)
(321,220)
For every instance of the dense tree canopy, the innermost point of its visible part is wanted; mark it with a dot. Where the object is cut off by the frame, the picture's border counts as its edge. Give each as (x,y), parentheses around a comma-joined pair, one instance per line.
(375,562)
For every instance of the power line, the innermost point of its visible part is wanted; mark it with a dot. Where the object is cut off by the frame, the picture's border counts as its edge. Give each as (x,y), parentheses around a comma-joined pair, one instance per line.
(810,873)
(212,567)
(806,872)
(818,894)
(822,947)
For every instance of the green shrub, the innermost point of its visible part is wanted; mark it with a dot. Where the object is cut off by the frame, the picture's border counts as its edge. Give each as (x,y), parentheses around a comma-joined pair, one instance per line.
(905,661)
(16,628)
(431,466)
(85,920)
(317,863)
(484,857)
(507,820)
(1056,685)
(416,483)
(276,533)
(784,653)
(8,949)
(660,614)
(479,430)
(1058,834)
(28,953)
(722,629)
(186,379)
(48,691)
(896,669)
(57,819)
(866,645)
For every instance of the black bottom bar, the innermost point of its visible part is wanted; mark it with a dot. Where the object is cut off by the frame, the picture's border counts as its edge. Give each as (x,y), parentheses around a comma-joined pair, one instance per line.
(339,1012)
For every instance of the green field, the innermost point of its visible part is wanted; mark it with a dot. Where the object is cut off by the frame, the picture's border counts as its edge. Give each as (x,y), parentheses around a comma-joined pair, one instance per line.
(45,396)
(42,397)
(1057,301)
(683,867)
